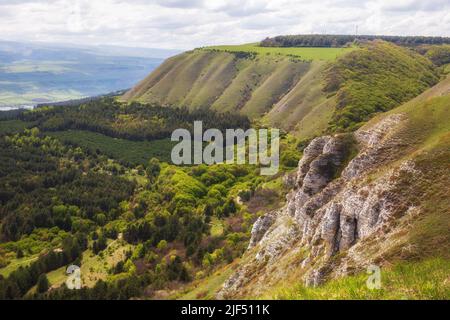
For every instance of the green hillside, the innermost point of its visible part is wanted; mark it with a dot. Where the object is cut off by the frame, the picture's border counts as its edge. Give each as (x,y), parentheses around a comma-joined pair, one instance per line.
(376,78)
(305,91)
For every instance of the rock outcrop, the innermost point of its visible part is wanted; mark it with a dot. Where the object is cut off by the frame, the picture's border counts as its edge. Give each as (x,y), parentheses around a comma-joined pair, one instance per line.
(337,203)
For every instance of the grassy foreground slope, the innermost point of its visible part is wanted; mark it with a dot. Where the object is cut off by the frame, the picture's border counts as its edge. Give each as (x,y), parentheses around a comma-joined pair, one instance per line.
(302,90)
(418,280)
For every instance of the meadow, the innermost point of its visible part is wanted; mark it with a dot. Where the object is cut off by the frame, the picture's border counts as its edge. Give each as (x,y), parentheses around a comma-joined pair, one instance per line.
(310,53)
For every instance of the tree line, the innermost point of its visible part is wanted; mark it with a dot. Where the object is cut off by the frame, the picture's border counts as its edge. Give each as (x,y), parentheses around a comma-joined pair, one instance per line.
(328,40)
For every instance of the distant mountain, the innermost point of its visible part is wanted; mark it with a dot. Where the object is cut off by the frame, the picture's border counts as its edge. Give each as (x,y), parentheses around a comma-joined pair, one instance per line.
(33,73)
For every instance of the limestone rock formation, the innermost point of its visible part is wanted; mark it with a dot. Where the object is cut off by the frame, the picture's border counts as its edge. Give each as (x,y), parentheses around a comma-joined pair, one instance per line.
(336,204)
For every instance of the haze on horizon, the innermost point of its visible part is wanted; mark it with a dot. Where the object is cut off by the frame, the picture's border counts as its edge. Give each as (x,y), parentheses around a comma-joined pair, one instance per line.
(184,24)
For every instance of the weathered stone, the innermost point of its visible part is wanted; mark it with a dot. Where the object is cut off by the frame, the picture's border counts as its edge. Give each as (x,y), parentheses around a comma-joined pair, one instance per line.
(260,228)
(327,214)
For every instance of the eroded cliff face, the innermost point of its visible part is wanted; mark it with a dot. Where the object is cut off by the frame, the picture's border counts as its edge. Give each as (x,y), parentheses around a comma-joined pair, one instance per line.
(342,215)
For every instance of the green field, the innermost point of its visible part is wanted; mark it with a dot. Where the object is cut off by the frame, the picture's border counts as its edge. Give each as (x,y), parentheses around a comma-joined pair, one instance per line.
(136,152)
(328,54)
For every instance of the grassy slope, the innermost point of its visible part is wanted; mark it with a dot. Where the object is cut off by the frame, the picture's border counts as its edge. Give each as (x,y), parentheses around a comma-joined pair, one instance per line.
(377,78)
(305,109)
(427,134)
(206,288)
(17,263)
(419,280)
(285,86)
(96,267)
(223,79)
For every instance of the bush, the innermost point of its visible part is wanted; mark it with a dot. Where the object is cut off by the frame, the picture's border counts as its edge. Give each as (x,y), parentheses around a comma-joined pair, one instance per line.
(42,284)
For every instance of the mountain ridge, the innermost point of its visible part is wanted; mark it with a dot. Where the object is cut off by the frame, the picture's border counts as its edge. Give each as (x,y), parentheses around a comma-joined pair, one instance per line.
(282,89)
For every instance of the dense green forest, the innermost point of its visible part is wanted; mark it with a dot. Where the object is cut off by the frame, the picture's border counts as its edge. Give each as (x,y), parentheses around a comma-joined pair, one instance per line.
(134,121)
(65,203)
(318,40)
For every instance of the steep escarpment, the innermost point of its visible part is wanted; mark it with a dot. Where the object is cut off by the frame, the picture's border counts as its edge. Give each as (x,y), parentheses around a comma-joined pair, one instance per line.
(221,80)
(334,90)
(349,210)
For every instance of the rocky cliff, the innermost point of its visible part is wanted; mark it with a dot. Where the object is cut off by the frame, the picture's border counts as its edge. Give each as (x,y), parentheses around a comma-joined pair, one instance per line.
(356,201)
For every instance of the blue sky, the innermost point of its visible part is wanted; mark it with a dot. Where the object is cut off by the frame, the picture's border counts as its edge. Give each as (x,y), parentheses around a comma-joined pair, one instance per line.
(183,24)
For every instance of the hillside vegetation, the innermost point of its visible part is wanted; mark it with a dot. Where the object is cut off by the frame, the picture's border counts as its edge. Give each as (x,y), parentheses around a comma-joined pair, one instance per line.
(220,80)
(376,78)
(305,91)
(405,281)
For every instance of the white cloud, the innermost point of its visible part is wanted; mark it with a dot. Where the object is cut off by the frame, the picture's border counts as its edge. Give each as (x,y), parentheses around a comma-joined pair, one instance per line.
(187,24)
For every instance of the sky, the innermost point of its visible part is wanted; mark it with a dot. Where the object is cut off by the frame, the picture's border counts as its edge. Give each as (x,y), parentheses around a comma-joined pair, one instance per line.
(187,24)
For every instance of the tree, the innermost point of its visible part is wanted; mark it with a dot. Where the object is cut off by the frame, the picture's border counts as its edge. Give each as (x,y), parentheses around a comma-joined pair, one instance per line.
(43,284)
(153,169)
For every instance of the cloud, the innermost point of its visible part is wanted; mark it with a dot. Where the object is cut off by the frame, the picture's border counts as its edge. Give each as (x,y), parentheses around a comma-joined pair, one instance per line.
(241,8)
(416,5)
(186,24)
(180,3)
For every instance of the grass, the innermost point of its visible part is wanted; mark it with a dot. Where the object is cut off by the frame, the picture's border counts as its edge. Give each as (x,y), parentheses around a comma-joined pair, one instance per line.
(135,152)
(429,279)
(216,227)
(327,54)
(95,267)
(248,79)
(12,126)
(207,288)
(16,264)
(305,109)
(376,78)
(57,277)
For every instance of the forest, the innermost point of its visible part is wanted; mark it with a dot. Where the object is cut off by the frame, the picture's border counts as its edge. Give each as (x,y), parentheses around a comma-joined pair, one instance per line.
(316,40)
(133,121)
(63,204)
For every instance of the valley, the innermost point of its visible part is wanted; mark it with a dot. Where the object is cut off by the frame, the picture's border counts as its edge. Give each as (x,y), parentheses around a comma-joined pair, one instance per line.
(363,180)
(35,73)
